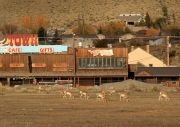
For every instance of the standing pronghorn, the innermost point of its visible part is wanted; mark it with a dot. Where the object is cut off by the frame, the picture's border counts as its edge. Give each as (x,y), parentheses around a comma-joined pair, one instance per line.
(68,93)
(101,97)
(85,94)
(61,92)
(40,89)
(112,92)
(164,95)
(104,92)
(124,96)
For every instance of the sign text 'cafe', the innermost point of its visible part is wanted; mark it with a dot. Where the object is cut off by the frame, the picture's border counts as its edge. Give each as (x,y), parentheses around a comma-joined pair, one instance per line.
(28,43)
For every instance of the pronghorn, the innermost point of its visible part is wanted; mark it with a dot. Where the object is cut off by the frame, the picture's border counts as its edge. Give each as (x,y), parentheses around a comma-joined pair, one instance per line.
(124,96)
(61,92)
(164,95)
(85,94)
(40,89)
(68,93)
(112,92)
(101,97)
(104,92)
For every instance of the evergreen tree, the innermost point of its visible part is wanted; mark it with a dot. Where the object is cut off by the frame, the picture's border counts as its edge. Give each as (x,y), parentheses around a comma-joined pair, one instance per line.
(148,20)
(41,34)
(100,30)
(165,11)
(174,18)
(55,36)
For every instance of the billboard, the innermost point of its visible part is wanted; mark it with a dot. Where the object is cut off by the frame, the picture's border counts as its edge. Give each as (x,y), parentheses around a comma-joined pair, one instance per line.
(27,43)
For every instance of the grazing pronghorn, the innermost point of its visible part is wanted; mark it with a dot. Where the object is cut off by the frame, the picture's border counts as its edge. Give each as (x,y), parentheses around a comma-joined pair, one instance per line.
(101,97)
(84,94)
(164,95)
(61,92)
(124,96)
(68,93)
(40,89)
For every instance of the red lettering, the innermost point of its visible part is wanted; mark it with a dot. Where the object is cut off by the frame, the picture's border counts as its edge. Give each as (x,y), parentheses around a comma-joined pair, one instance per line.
(46,50)
(10,37)
(34,41)
(14,50)
(17,40)
(25,40)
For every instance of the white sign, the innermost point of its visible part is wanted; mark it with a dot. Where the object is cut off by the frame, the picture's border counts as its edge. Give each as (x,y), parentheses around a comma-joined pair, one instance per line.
(101,52)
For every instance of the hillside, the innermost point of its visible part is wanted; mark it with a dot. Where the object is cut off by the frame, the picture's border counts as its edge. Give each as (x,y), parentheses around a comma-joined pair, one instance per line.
(64,13)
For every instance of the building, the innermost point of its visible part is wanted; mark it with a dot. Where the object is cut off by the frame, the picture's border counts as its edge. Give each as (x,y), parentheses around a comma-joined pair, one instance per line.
(143,58)
(131,19)
(168,76)
(23,61)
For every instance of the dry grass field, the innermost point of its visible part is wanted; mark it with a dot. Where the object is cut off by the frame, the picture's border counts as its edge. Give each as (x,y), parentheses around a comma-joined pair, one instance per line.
(64,13)
(22,107)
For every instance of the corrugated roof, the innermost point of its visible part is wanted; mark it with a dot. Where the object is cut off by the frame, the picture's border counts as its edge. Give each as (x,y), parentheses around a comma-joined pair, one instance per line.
(129,18)
(160,71)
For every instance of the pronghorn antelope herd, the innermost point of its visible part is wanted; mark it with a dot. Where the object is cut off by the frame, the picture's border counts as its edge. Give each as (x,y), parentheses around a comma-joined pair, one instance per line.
(102,97)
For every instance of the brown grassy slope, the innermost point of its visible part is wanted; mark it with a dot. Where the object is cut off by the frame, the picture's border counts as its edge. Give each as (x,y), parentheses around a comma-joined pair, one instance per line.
(64,13)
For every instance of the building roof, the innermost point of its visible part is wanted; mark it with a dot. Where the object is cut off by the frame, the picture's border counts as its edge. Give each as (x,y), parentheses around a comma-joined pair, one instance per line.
(129,18)
(144,58)
(152,38)
(138,28)
(66,36)
(92,36)
(159,71)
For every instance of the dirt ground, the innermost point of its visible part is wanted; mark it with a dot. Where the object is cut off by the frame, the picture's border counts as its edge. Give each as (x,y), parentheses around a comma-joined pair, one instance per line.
(22,109)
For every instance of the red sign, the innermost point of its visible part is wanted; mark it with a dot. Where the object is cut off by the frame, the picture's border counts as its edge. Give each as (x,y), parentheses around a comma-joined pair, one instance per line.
(60,69)
(16,64)
(46,50)
(14,50)
(23,40)
(60,65)
(38,65)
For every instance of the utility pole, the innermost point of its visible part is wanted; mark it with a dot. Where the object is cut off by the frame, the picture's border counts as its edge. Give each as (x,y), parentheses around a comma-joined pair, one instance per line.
(167,50)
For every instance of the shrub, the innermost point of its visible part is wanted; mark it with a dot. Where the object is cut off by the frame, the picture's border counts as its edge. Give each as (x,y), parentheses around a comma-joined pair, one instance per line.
(2,89)
(155,88)
(135,88)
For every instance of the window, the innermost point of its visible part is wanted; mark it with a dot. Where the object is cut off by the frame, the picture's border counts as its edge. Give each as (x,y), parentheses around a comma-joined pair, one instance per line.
(80,63)
(108,62)
(96,62)
(88,65)
(112,62)
(150,65)
(124,62)
(118,63)
(84,62)
(104,62)
(100,63)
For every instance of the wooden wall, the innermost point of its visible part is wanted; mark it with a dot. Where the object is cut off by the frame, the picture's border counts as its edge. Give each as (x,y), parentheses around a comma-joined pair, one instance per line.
(63,61)
(16,59)
(6,60)
(117,53)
